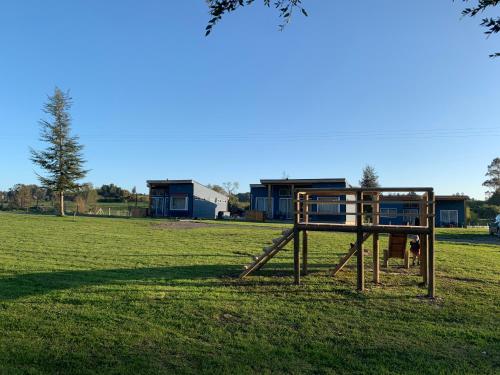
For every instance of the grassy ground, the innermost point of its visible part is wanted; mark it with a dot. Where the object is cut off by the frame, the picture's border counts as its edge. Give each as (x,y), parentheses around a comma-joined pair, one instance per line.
(132,296)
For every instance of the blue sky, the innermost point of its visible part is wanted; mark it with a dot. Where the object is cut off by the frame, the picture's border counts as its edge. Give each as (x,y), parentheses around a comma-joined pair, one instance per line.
(406,86)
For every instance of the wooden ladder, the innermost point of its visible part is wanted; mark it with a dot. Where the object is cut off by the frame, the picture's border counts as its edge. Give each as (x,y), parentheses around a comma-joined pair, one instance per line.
(268,252)
(348,256)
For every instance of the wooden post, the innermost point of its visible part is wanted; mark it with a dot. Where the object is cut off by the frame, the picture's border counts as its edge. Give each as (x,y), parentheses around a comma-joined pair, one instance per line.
(376,245)
(359,243)
(424,272)
(431,285)
(305,209)
(296,255)
(296,242)
(304,252)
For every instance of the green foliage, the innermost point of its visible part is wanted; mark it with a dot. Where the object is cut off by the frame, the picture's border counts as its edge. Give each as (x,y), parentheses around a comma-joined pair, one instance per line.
(62,159)
(217,188)
(494,199)
(219,8)
(493,174)
(113,193)
(482,211)
(369,178)
(21,196)
(491,24)
(128,296)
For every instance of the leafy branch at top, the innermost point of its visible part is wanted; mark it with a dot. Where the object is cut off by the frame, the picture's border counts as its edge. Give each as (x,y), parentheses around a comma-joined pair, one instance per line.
(492,24)
(218,8)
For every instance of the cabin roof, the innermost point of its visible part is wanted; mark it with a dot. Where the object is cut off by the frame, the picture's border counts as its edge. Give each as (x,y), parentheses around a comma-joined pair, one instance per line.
(167,182)
(287,181)
(452,198)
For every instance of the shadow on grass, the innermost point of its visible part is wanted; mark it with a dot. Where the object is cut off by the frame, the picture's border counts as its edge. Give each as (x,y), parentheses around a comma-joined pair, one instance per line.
(278,275)
(31,284)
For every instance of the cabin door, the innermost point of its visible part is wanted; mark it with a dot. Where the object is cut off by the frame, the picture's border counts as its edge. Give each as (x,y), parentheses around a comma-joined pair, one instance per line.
(157,206)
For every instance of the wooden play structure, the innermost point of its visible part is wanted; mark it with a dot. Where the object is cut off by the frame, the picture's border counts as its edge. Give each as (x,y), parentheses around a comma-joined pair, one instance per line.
(364,205)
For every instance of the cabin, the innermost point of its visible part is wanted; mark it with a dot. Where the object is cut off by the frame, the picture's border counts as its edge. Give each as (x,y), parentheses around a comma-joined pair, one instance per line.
(451,210)
(274,197)
(185,199)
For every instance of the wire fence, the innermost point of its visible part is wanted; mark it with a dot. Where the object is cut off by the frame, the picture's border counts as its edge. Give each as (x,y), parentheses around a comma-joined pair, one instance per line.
(73,210)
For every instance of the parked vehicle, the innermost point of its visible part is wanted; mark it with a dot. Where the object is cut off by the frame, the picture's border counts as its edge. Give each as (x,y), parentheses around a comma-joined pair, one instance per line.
(495,226)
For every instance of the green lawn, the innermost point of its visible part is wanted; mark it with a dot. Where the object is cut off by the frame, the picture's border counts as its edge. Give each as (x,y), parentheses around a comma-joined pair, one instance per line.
(134,296)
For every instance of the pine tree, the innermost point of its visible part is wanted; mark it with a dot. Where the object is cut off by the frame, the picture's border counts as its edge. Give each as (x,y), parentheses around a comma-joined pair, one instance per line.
(493,173)
(370,178)
(62,159)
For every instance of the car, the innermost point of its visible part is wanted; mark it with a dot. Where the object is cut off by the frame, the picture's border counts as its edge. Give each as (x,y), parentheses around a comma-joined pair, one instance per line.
(495,226)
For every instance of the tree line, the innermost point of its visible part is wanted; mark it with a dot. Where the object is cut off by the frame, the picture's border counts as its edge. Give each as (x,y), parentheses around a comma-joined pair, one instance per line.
(86,197)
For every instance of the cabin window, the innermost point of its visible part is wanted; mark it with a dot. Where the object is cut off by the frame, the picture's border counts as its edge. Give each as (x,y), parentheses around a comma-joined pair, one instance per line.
(285,192)
(179,203)
(285,208)
(328,208)
(389,212)
(409,215)
(449,217)
(157,192)
(261,204)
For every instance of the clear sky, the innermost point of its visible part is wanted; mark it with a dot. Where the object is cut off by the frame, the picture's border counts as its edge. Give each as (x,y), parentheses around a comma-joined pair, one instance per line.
(406,86)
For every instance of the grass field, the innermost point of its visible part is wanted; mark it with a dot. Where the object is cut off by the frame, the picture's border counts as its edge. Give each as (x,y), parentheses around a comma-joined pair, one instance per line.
(135,296)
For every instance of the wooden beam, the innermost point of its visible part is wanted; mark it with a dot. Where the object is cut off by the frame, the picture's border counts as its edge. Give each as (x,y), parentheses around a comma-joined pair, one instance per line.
(376,245)
(296,256)
(331,227)
(359,244)
(424,271)
(343,191)
(305,208)
(431,281)
(350,253)
(304,252)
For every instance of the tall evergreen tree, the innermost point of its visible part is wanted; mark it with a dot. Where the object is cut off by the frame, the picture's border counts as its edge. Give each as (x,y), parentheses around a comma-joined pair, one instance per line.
(370,178)
(62,160)
(493,174)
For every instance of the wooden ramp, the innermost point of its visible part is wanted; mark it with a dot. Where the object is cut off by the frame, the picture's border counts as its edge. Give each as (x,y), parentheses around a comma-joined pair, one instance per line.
(268,253)
(348,256)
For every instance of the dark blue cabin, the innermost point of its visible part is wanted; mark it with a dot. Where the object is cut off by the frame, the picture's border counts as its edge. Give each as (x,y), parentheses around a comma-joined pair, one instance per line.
(184,199)
(451,210)
(279,193)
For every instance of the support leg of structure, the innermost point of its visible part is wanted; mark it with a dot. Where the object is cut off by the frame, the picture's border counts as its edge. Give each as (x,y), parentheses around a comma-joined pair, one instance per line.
(296,255)
(424,271)
(376,259)
(304,252)
(360,263)
(430,282)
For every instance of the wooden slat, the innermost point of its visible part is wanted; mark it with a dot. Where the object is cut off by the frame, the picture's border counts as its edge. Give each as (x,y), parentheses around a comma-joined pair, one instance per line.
(348,256)
(360,267)
(368,190)
(430,249)
(349,228)
(266,256)
(376,245)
